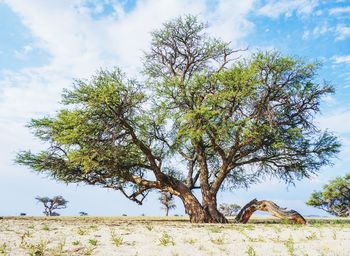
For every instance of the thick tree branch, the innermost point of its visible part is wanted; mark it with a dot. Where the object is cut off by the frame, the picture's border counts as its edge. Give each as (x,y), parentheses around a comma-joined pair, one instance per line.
(268,206)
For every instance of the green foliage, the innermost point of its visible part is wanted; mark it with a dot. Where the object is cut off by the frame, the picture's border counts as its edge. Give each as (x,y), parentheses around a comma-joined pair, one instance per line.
(247,119)
(335,197)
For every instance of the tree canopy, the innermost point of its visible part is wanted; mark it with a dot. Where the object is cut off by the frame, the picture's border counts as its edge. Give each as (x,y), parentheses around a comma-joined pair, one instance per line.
(229,209)
(167,201)
(202,118)
(52,204)
(334,198)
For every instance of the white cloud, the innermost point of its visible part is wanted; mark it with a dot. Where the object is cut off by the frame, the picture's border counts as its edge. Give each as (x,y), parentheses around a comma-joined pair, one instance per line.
(320,30)
(274,8)
(229,21)
(342,59)
(23,53)
(306,34)
(337,121)
(76,41)
(78,45)
(339,10)
(342,32)
(317,31)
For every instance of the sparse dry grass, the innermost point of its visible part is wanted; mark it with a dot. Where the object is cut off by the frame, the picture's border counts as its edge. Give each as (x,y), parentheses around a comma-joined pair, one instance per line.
(169,236)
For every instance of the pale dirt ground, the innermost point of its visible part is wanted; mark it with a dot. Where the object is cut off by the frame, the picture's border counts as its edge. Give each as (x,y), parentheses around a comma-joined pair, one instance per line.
(146,236)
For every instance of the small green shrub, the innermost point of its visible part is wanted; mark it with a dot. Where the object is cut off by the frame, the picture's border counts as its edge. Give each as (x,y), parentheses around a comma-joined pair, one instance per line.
(57,250)
(76,242)
(45,227)
(214,229)
(37,249)
(285,222)
(250,251)
(191,241)
(166,240)
(290,245)
(89,250)
(312,236)
(149,227)
(4,249)
(93,242)
(81,231)
(219,241)
(117,240)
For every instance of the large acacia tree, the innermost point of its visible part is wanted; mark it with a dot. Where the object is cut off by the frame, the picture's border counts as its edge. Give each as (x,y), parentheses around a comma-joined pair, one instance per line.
(203,119)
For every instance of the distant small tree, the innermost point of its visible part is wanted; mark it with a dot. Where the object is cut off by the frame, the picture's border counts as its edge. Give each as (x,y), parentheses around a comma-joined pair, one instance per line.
(22,214)
(167,200)
(51,204)
(229,209)
(335,197)
(83,213)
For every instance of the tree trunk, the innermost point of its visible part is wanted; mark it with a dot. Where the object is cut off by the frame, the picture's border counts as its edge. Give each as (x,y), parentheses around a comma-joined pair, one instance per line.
(208,197)
(210,206)
(167,211)
(208,213)
(268,206)
(48,211)
(192,207)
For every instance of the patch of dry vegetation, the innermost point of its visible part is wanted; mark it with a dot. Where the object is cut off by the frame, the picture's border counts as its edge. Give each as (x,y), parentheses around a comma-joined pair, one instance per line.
(169,236)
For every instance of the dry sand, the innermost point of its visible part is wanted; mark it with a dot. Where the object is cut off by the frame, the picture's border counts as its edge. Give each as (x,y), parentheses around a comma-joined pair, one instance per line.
(143,236)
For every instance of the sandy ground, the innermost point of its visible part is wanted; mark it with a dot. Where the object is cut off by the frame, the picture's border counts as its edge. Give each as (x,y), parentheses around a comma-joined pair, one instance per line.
(143,236)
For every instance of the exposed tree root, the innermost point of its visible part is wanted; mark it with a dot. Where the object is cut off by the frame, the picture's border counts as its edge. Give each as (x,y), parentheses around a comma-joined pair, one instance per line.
(268,206)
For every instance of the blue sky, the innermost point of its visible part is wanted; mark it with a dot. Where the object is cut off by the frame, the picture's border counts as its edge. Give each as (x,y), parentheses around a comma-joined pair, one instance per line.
(45,44)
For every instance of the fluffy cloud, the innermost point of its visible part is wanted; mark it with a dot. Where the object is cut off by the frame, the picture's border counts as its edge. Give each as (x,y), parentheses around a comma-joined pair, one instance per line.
(342,32)
(339,10)
(77,41)
(274,8)
(317,31)
(341,59)
(336,121)
(80,37)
